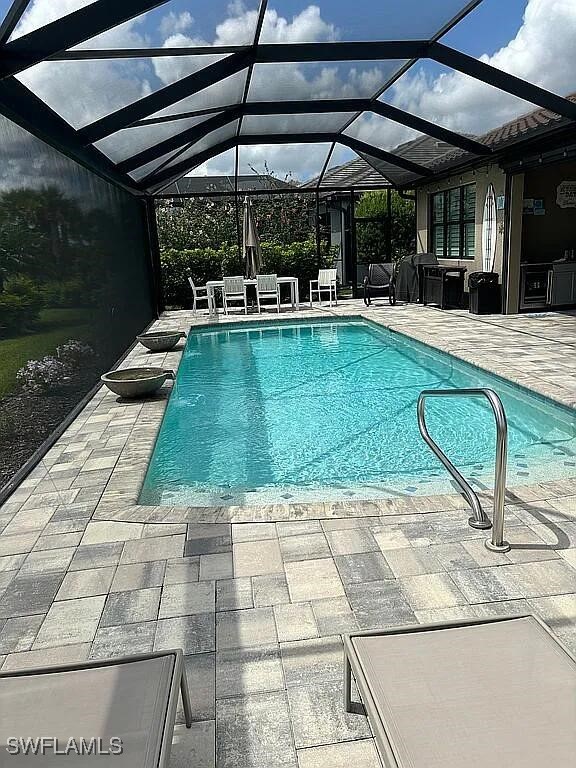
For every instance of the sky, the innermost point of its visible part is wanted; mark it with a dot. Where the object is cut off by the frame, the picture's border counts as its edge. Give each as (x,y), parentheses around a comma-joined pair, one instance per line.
(529,38)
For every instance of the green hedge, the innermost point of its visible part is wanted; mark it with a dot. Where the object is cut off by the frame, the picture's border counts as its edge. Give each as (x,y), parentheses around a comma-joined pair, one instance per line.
(20,303)
(296,260)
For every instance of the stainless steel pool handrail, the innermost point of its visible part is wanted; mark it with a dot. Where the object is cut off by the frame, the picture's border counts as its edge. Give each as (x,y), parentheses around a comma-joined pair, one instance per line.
(479,519)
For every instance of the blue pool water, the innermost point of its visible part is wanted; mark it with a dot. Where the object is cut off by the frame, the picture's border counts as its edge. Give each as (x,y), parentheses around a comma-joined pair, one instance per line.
(284,412)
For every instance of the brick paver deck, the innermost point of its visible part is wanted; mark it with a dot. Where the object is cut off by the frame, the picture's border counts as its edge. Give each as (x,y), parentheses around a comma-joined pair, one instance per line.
(258,599)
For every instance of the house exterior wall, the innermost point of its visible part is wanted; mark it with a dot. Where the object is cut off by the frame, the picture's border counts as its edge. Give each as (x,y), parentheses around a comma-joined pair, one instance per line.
(483,177)
(545,238)
(530,238)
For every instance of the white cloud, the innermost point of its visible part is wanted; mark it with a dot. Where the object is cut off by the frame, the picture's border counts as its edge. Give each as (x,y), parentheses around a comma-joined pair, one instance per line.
(312,81)
(174,23)
(307,26)
(83,91)
(539,53)
(286,161)
(41,12)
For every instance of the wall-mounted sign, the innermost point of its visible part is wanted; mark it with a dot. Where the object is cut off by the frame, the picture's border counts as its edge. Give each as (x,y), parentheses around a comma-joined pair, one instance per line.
(566,194)
(528,205)
(500,202)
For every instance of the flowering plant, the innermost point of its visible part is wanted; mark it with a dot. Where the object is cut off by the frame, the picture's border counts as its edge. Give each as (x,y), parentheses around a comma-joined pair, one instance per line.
(72,352)
(42,375)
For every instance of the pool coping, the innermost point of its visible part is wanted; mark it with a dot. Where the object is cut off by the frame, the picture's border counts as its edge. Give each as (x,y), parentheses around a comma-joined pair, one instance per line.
(118,501)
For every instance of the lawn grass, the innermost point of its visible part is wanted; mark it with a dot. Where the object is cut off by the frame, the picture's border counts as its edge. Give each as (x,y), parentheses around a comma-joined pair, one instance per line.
(55,326)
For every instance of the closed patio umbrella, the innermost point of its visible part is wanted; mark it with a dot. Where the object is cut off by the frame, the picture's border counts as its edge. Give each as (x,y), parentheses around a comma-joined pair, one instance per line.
(251,242)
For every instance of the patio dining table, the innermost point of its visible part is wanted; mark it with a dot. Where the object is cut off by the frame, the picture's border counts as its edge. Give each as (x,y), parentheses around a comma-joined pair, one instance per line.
(211,285)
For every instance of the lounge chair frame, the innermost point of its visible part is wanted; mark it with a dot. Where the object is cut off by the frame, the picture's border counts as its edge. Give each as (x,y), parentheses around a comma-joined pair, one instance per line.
(178,687)
(368,707)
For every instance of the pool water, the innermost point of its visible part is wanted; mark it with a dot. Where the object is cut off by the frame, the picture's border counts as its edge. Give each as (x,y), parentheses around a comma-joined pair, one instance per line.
(276,412)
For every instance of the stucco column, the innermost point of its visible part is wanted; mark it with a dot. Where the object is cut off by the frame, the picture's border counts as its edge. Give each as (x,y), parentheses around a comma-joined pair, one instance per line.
(514,244)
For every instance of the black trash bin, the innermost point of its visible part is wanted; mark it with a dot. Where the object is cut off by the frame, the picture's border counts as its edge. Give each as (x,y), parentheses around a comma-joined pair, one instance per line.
(484,293)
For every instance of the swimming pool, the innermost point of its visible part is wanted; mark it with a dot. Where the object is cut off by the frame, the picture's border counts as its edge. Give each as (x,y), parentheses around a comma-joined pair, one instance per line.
(276,412)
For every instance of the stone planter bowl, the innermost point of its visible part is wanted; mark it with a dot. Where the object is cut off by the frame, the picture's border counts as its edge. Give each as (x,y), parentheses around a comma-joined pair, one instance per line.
(160,341)
(136,382)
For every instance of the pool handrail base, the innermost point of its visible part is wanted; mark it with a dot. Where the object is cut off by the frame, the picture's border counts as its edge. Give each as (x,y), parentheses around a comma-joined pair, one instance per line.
(479,519)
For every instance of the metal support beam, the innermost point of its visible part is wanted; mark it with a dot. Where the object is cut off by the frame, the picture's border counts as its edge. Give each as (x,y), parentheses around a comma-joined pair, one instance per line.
(502,80)
(164,97)
(368,105)
(257,33)
(70,30)
(188,136)
(153,243)
(12,18)
(300,107)
(236,207)
(317,201)
(355,51)
(429,128)
(149,53)
(272,52)
(159,178)
(389,225)
(324,191)
(353,245)
(182,115)
(326,164)
(380,154)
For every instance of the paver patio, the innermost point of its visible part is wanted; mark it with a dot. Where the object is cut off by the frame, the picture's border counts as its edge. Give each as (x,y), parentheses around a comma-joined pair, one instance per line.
(258,598)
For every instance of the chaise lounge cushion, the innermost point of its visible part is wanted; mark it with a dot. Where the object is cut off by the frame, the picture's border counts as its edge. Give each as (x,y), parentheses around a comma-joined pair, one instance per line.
(126,700)
(497,694)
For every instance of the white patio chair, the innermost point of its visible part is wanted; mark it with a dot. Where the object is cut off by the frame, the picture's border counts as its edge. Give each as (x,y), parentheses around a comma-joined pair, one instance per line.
(199,293)
(267,288)
(234,290)
(326,283)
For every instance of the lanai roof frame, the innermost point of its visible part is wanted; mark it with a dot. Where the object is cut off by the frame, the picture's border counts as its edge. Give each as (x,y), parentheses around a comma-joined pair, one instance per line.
(214,129)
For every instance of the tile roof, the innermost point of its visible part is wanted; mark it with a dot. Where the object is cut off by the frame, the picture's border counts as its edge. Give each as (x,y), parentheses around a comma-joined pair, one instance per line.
(355,172)
(514,131)
(520,126)
(367,170)
(436,155)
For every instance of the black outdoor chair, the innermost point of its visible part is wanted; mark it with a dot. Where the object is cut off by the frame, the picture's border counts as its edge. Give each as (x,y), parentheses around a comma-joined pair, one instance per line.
(380,280)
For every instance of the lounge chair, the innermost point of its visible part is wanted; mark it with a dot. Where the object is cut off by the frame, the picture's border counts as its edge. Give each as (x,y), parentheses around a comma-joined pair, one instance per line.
(234,290)
(126,704)
(199,294)
(267,288)
(326,283)
(380,280)
(487,693)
